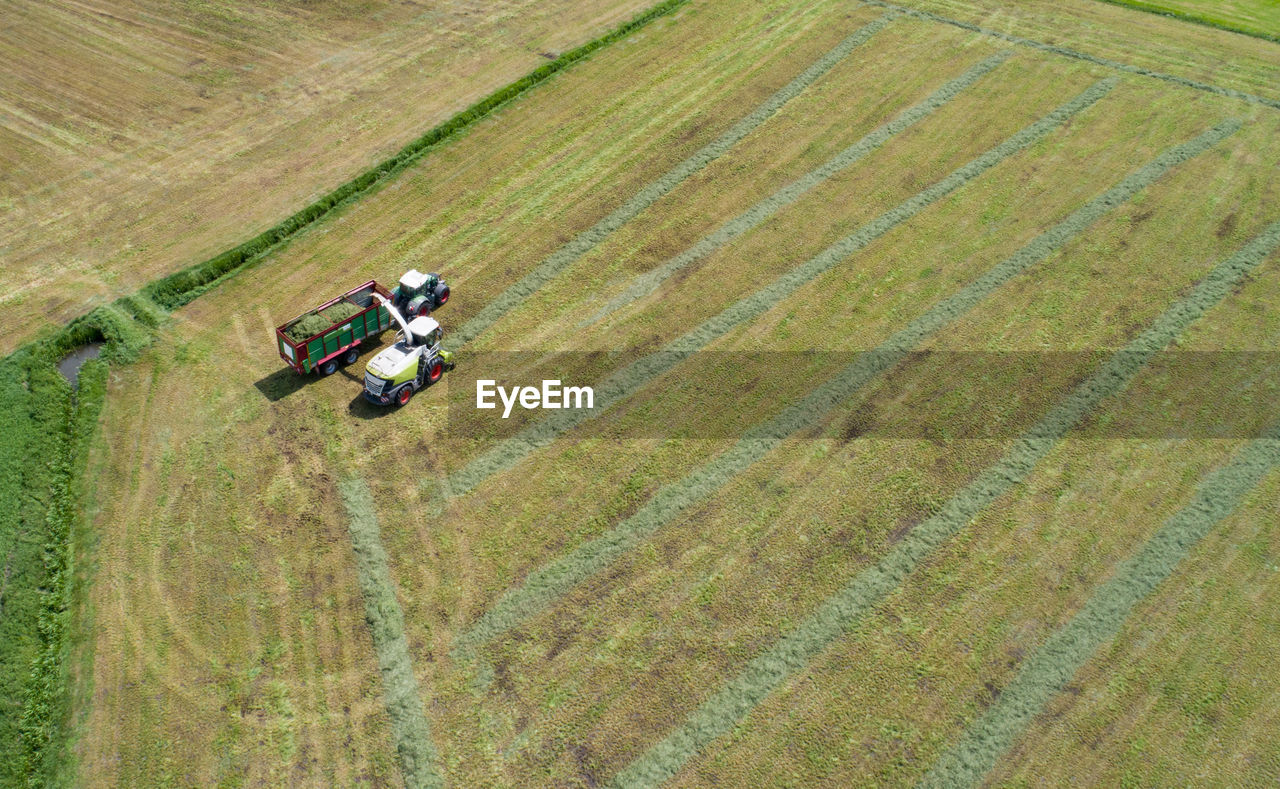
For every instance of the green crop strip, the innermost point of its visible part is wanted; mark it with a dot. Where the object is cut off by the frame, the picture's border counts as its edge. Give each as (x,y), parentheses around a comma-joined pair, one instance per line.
(794,651)
(1051,666)
(588,239)
(414,747)
(631,378)
(1160,9)
(648,282)
(544,586)
(1076,55)
(33,506)
(42,453)
(182,286)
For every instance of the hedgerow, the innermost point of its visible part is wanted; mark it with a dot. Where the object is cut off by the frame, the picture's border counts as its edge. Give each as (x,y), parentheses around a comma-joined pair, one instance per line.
(30,446)
(839,612)
(544,585)
(629,380)
(42,450)
(592,236)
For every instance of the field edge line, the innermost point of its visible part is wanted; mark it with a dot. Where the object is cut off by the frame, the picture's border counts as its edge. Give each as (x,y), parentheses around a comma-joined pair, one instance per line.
(793,652)
(1195,19)
(1078,55)
(419,760)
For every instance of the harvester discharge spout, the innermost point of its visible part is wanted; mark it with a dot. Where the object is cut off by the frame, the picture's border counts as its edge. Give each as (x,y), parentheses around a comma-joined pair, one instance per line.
(395,313)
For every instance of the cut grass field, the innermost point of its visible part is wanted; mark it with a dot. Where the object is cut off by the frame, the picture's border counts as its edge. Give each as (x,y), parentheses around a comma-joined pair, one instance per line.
(132,136)
(280,564)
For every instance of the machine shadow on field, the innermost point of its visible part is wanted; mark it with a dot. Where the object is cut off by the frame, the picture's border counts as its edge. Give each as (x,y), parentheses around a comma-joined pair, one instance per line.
(363,409)
(285,381)
(281,384)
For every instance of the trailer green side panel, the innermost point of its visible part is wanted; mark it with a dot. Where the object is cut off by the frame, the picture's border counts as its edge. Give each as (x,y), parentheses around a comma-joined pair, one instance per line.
(331,342)
(315,349)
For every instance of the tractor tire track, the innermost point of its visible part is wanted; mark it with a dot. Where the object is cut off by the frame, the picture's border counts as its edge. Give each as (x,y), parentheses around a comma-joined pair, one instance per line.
(1055,662)
(631,378)
(414,747)
(793,652)
(646,283)
(544,586)
(592,236)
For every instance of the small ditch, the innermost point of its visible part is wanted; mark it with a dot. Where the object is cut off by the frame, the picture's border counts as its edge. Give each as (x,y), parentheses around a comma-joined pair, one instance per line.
(72,362)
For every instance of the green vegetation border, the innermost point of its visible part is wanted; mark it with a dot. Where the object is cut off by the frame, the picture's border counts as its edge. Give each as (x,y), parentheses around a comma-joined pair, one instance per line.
(1197,19)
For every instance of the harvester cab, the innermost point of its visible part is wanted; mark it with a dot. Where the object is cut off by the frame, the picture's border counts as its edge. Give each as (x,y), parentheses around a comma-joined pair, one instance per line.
(419,294)
(414,361)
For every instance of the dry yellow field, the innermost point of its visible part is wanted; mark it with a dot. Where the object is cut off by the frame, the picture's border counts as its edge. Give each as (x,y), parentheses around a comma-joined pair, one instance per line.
(140,137)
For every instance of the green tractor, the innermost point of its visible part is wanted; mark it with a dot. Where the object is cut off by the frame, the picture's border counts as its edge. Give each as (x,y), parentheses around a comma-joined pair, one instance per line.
(415,360)
(419,294)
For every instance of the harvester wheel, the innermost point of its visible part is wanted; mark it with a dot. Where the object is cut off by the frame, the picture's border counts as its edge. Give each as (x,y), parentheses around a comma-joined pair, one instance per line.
(328,367)
(351,356)
(435,371)
(404,394)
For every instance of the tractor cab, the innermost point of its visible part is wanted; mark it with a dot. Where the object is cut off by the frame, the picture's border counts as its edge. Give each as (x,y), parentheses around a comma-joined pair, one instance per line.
(424,331)
(419,293)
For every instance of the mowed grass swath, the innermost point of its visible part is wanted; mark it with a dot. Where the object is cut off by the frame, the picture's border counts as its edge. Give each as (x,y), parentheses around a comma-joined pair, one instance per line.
(526,651)
(288,587)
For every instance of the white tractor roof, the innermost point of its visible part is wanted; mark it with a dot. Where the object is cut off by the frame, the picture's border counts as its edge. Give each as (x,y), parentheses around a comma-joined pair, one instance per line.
(421,326)
(413,279)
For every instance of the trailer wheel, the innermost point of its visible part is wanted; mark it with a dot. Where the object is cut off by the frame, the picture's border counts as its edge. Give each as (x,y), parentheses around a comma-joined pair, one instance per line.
(351,356)
(441,294)
(435,371)
(404,394)
(328,367)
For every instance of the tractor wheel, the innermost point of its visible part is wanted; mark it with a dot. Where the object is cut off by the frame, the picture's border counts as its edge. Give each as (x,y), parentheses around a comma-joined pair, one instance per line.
(328,367)
(435,371)
(351,356)
(441,294)
(404,394)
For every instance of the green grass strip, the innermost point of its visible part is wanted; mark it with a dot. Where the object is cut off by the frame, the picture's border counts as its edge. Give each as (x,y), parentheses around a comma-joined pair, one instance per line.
(648,282)
(587,240)
(1160,9)
(417,753)
(1077,55)
(1052,666)
(545,585)
(181,287)
(839,612)
(631,378)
